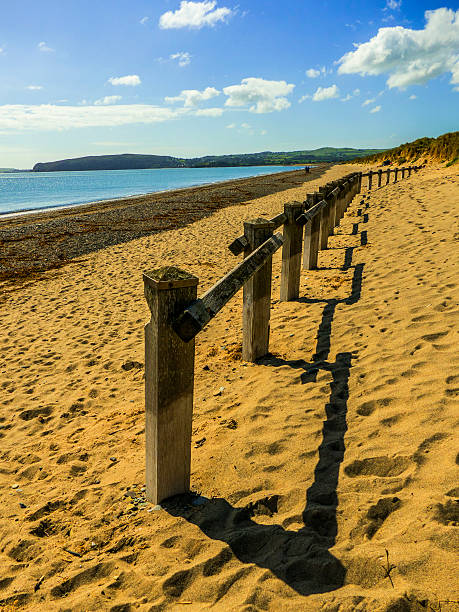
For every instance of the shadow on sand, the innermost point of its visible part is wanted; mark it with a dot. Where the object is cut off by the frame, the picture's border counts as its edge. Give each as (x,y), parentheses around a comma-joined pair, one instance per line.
(301,559)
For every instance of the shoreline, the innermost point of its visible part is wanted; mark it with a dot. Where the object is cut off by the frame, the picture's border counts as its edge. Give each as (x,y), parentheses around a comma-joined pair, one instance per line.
(51,207)
(38,241)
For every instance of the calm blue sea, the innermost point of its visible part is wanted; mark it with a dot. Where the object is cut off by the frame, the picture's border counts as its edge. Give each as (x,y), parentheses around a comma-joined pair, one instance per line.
(38,190)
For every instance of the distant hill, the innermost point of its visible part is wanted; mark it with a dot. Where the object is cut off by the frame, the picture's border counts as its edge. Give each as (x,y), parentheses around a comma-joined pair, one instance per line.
(13,170)
(128,161)
(445,148)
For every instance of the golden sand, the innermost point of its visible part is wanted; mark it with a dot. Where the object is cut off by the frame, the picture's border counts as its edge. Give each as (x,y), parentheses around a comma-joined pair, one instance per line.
(336,448)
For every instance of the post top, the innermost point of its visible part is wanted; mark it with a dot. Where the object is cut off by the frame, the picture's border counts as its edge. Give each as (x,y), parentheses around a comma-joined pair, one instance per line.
(260,222)
(294,205)
(169,277)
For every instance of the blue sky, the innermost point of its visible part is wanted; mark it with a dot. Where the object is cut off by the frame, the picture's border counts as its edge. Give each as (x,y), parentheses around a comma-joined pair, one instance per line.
(210,77)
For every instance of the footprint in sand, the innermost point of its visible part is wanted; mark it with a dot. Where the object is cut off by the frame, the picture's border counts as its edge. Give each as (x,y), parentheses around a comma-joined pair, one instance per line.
(378,466)
(369,407)
(434,337)
(447,513)
(375,517)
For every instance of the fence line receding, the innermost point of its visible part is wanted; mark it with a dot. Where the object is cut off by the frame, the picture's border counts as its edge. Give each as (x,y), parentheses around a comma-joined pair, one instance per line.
(177,316)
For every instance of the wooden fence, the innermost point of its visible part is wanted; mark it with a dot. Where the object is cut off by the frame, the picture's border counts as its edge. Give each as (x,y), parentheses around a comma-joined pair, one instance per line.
(378,174)
(177,316)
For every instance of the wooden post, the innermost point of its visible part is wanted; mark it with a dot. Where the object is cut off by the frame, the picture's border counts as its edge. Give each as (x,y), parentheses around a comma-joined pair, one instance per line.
(359,183)
(331,199)
(409,171)
(341,197)
(356,185)
(311,236)
(370,179)
(403,173)
(388,177)
(379,177)
(395,175)
(345,190)
(350,190)
(324,217)
(256,295)
(291,253)
(169,382)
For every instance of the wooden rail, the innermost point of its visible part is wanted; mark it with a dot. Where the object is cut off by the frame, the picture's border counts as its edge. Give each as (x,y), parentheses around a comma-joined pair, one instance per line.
(177,316)
(379,174)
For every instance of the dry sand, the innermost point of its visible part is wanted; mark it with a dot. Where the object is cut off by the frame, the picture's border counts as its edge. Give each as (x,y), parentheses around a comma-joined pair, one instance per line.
(339,446)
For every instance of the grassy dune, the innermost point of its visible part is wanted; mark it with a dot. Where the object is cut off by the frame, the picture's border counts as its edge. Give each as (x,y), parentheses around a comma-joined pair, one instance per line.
(445,148)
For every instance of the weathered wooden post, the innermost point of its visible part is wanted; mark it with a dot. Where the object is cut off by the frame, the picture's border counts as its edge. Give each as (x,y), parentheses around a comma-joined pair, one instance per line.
(350,193)
(370,179)
(395,175)
(332,197)
(291,252)
(344,198)
(356,185)
(379,177)
(332,200)
(340,200)
(169,382)
(311,236)
(256,295)
(388,177)
(409,171)
(359,183)
(324,220)
(403,173)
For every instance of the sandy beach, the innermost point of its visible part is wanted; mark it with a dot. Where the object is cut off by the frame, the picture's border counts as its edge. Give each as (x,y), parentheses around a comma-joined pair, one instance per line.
(41,240)
(329,470)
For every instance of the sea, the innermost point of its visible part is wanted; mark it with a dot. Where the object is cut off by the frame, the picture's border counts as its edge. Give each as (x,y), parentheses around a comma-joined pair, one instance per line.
(34,191)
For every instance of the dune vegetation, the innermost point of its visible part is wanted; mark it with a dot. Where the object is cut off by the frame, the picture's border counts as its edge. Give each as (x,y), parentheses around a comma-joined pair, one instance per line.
(445,148)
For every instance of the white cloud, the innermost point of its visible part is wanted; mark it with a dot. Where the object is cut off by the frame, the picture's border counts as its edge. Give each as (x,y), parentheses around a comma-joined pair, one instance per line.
(144,20)
(325,93)
(1,50)
(131,79)
(34,87)
(231,126)
(209,112)
(304,98)
(413,97)
(349,96)
(376,109)
(22,117)
(393,4)
(312,73)
(42,46)
(263,132)
(192,97)
(194,15)
(107,100)
(263,96)
(246,126)
(369,101)
(183,58)
(410,57)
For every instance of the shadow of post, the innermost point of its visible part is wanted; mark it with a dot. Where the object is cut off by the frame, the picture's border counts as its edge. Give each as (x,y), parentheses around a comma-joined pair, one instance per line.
(302,558)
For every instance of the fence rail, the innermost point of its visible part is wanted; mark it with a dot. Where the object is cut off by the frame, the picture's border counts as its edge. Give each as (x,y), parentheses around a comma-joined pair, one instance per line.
(177,316)
(379,174)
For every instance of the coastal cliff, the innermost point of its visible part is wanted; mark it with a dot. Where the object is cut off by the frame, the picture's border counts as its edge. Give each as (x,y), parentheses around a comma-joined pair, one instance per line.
(129,161)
